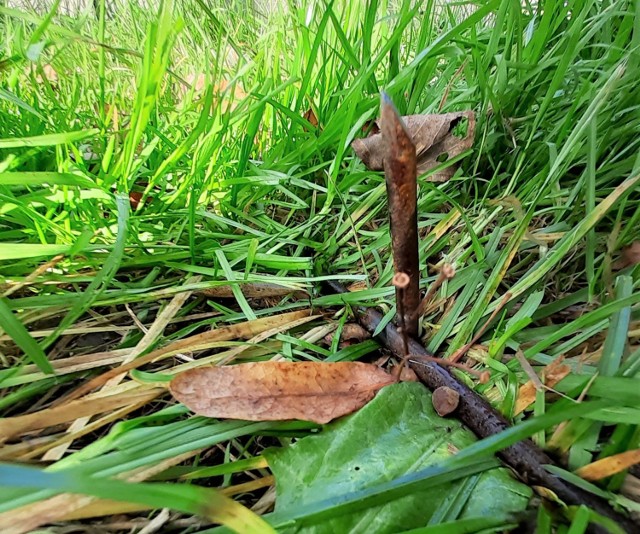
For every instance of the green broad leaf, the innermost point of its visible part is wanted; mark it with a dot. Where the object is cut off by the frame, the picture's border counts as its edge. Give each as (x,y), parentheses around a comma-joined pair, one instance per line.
(396,434)
(467,526)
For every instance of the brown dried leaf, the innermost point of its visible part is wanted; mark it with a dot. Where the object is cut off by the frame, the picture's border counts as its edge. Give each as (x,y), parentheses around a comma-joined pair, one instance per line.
(47,72)
(632,253)
(370,126)
(221,90)
(202,341)
(360,285)
(274,391)
(630,256)
(551,375)
(351,333)
(354,332)
(433,137)
(135,197)
(610,465)
(311,118)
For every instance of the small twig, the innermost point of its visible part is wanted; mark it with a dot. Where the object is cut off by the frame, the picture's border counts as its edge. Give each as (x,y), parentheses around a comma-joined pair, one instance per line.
(29,279)
(401,282)
(446,273)
(462,350)
(530,372)
(483,376)
(445,95)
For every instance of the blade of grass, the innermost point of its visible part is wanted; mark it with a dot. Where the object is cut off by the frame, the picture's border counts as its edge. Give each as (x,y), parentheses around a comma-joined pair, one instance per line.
(186,498)
(20,335)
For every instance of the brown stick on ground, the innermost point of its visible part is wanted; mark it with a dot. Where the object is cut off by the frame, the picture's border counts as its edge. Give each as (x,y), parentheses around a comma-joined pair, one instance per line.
(402,191)
(525,457)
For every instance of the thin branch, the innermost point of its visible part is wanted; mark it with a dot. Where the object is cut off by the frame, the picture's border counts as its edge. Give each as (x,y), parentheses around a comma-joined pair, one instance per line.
(402,192)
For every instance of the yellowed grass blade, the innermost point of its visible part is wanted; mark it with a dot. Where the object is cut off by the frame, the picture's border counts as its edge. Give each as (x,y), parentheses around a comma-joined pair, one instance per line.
(14,426)
(150,337)
(193,343)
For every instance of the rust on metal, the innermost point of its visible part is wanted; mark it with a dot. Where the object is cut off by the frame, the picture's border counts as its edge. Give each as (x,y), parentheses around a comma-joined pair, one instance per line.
(402,191)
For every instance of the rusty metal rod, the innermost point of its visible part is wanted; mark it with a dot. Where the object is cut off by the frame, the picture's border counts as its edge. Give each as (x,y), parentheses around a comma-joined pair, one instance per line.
(525,457)
(402,191)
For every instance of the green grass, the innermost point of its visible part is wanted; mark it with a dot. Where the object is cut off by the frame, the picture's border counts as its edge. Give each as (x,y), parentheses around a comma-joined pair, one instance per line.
(235,186)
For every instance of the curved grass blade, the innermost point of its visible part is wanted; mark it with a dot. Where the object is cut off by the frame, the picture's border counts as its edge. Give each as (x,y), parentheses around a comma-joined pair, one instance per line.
(20,335)
(99,283)
(20,251)
(616,340)
(45,178)
(185,498)
(48,139)
(10,97)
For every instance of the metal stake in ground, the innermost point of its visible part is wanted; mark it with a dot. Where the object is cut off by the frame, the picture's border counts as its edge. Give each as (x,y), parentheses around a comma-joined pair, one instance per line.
(400,174)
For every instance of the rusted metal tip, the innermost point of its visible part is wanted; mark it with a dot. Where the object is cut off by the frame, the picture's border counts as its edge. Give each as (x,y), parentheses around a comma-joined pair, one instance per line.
(401,280)
(394,130)
(388,109)
(387,105)
(400,176)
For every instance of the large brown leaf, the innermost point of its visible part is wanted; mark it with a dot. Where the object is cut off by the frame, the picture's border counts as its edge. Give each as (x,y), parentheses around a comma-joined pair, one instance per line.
(273,391)
(432,136)
(630,256)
